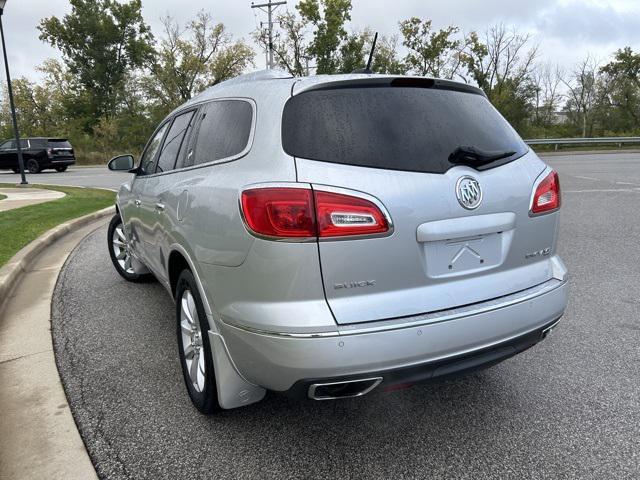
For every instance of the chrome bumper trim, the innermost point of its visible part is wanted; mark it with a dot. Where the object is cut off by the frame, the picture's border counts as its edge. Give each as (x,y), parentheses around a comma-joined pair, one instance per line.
(423,319)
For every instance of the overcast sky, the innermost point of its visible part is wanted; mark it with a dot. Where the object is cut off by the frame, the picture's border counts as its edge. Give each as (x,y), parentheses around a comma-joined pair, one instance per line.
(566,30)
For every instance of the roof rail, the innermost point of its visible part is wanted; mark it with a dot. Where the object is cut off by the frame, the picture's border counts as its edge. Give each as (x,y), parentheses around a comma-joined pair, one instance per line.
(258,75)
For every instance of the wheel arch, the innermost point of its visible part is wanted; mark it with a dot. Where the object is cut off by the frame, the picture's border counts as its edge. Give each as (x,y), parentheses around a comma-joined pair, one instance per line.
(234,390)
(178,260)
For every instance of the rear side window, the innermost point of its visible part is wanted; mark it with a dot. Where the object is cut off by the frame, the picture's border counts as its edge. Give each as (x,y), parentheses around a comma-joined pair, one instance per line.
(397,128)
(224,130)
(173,142)
(39,143)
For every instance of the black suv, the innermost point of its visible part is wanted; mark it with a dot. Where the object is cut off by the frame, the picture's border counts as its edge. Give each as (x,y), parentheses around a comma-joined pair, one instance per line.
(38,154)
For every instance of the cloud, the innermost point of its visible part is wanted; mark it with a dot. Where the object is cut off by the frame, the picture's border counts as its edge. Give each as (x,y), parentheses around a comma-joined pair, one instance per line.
(591,23)
(565,29)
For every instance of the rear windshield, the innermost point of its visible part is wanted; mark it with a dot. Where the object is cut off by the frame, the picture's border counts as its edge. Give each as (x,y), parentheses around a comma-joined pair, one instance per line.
(398,128)
(59,144)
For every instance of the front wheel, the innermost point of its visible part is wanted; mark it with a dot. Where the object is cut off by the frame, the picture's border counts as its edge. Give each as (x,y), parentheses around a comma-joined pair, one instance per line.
(193,345)
(33,166)
(120,253)
(61,168)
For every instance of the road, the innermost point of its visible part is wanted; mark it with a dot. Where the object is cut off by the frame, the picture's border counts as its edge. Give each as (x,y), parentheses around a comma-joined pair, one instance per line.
(568,408)
(76,176)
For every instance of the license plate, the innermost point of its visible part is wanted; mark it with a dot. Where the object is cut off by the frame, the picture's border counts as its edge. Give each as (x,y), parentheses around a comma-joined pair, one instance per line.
(463,256)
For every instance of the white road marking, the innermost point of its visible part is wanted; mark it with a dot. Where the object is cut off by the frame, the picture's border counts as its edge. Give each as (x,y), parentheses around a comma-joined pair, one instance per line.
(586,178)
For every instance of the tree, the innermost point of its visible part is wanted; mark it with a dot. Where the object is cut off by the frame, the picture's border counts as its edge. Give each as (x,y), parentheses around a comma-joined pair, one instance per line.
(547,80)
(355,51)
(431,53)
(582,92)
(622,95)
(290,48)
(328,17)
(316,41)
(40,106)
(502,66)
(101,41)
(192,58)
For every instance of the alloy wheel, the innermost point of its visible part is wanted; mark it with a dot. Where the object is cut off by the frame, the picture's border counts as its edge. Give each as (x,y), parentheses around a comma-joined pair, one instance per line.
(121,249)
(192,340)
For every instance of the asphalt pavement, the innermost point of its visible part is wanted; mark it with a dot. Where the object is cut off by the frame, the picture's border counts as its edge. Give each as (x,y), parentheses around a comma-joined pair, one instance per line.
(98,176)
(567,408)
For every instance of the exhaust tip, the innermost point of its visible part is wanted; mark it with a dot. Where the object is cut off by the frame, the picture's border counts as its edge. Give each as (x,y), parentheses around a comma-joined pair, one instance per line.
(345,389)
(549,329)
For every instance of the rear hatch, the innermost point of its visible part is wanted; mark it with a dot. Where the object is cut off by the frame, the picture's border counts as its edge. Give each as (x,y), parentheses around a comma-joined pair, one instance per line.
(462,232)
(59,148)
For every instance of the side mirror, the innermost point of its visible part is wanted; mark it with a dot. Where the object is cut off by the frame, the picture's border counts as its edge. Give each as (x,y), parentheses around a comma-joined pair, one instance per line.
(121,163)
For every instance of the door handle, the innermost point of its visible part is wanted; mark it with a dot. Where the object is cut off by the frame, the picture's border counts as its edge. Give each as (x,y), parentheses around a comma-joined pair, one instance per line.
(160,207)
(137,202)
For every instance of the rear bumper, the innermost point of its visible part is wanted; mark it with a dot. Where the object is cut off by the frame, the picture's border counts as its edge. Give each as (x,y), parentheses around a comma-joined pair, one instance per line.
(411,353)
(438,370)
(52,163)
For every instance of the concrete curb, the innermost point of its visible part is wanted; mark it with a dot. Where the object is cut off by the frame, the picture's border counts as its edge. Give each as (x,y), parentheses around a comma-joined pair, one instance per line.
(11,273)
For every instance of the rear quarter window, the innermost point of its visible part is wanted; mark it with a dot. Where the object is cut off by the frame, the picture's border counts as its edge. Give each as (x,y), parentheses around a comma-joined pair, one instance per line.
(397,128)
(224,130)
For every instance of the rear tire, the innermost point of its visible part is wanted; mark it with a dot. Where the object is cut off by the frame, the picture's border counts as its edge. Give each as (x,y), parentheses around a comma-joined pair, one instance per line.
(121,258)
(194,348)
(61,169)
(33,166)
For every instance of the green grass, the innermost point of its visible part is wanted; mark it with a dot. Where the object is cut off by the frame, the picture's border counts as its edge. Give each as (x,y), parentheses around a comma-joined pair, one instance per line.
(2,197)
(22,225)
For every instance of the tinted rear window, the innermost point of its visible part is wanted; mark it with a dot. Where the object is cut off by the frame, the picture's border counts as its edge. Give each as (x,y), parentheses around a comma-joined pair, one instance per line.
(59,144)
(398,128)
(224,130)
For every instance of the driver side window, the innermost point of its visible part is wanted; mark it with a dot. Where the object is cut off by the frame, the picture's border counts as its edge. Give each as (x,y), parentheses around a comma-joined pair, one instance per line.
(147,162)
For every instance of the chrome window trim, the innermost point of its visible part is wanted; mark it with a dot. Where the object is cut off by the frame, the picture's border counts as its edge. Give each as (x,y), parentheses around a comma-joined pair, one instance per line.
(421,319)
(232,158)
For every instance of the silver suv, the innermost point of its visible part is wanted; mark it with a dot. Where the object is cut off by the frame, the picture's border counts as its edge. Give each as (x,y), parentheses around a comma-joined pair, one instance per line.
(332,235)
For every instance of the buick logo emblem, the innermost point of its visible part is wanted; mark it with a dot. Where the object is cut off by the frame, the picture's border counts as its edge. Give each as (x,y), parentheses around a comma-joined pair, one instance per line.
(468,192)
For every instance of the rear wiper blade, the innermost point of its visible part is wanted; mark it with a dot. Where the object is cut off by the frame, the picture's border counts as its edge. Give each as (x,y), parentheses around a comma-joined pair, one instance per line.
(465,155)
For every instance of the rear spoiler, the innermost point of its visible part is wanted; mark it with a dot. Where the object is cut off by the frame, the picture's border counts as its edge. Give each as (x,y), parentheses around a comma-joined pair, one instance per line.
(374,81)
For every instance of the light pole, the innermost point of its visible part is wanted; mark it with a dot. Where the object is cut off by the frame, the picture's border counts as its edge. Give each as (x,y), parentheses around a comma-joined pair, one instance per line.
(13,107)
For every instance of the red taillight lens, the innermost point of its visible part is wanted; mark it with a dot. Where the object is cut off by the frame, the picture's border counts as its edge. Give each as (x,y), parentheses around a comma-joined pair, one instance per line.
(547,195)
(342,215)
(280,212)
(283,212)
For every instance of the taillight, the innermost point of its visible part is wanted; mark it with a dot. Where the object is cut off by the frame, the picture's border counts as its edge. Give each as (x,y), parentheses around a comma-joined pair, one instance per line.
(296,213)
(50,152)
(280,212)
(342,215)
(547,195)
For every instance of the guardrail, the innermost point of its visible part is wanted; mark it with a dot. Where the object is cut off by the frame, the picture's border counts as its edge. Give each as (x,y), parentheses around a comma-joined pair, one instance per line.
(619,141)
